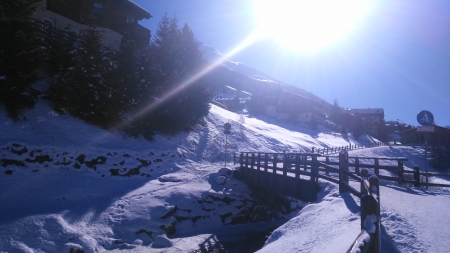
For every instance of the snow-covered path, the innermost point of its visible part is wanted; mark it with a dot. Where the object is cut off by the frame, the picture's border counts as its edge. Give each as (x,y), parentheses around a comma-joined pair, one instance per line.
(421,222)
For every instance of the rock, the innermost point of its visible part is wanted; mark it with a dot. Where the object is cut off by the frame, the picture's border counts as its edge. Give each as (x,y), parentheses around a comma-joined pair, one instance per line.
(225,172)
(161,241)
(169,229)
(221,180)
(170,212)
(138,242)
(8,172)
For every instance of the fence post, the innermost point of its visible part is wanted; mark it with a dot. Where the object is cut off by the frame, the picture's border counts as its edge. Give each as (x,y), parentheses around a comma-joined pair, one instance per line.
(327,159)
(285,160)
(374,184)
(241,159)
(266,161)
(246,160)
(357,165)
(258,165)
(297,166)
(253,160)
(312,150)
(274,168)
(314,169)
(377,167)
(343,167)
(416,176)
(363,190)
(400,171)
(234,158)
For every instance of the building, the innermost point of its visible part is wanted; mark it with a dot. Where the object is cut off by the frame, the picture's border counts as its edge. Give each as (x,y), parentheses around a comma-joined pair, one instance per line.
(287,106)
(113,17)
(440,136)
(373,118)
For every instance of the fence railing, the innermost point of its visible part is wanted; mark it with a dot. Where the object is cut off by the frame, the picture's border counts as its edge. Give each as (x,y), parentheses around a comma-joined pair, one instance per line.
(314,165)
(369,239)
(393,165)
(334,150)
(292,174)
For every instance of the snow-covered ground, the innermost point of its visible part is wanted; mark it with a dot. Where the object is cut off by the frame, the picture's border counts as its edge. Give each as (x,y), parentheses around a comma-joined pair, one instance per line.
(67,186)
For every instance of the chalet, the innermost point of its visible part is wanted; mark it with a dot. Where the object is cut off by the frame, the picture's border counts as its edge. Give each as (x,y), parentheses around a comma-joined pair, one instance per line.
(373,117)
(287,106)
(113,17)
(440,136)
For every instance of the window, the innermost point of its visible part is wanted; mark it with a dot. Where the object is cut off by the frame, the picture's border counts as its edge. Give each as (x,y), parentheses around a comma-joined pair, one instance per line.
(130,18)
(98,7)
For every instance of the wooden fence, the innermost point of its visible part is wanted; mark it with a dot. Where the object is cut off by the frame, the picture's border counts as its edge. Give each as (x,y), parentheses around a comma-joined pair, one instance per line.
(299,173)
(393,165)
(334,150)
(292,174)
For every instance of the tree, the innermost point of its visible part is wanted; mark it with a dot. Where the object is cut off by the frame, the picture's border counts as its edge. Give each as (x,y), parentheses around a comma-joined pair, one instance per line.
(335,114)
(182,97)
(84,89)
(19,55)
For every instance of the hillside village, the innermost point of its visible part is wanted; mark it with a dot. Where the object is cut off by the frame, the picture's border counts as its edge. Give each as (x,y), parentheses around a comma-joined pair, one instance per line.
(122,169)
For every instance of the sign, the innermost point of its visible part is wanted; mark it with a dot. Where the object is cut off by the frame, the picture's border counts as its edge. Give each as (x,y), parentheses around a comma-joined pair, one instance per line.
(425,129)
(425,118)
(227,127)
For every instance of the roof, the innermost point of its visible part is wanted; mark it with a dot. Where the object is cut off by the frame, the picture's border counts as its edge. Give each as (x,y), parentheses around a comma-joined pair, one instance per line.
(368,111)
(141,11)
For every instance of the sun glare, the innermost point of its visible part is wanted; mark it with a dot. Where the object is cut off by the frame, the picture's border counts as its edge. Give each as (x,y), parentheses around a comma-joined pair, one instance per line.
(308,25)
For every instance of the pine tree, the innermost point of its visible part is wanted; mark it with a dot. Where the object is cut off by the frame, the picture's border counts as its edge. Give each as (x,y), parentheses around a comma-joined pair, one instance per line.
(84,89)
(19,55)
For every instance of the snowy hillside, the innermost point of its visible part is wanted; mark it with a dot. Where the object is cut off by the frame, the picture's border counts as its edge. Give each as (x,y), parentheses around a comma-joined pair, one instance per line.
(70,187)
(212,54)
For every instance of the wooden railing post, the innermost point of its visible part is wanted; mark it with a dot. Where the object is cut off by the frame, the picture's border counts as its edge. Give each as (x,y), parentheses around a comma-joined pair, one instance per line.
(374,184)
(357,165)
(274,168)
(377,166)
(416,176)
(314,169)
(343,167)
(363,190)
(312,150)
(253,160)
(241,159)
(327,161)
(285,163)
(297,166)
(258,161)
(400,171)
(246,160)
(266,161)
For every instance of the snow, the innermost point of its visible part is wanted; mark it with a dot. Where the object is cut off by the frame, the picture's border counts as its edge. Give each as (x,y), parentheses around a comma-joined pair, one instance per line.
(179,182)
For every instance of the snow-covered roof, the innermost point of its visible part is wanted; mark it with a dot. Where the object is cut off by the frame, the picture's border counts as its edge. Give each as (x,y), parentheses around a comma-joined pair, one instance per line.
(368,111)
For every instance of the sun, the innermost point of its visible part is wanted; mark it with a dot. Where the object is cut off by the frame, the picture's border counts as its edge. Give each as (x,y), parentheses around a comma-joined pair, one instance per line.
(308,25)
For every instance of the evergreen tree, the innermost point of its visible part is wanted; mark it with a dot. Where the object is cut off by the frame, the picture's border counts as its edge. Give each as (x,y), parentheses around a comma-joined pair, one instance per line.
(19,55)
(84,89)
(173,100)
(125,76)
(335,114)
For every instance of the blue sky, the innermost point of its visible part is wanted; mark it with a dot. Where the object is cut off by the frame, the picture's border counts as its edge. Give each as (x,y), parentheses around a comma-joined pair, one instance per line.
(397,57)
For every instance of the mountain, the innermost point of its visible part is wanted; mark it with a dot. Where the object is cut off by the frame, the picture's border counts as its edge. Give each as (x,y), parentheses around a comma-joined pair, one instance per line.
(233,73)
(212,54)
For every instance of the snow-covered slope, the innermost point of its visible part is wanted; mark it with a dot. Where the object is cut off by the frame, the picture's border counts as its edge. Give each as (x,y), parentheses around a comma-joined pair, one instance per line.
(65,185)
(212,54)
